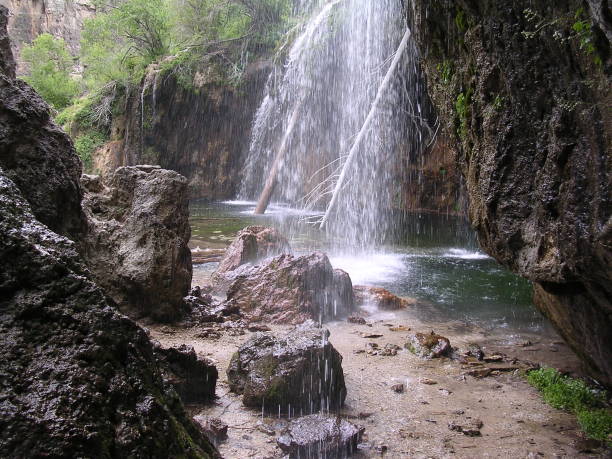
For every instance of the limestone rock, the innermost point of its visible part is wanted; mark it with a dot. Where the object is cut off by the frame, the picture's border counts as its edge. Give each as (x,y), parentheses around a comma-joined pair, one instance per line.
(320,436)
(193,377)
(77,376)
(296,373)
(137,242)
(291,290)
(429,346)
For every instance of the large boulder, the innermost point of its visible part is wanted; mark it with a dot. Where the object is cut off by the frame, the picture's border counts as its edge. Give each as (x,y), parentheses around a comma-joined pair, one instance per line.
(193,377)
(35,153)
(320,436)
(137,242)
(296,373)
(78,378)
(252,244)
(290,290)
(528,111)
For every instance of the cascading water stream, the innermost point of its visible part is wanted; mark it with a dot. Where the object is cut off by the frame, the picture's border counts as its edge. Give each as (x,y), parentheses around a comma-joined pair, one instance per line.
(316,105)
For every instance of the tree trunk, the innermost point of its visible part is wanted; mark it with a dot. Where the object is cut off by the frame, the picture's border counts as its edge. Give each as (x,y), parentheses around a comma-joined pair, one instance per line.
(266,194)
(364,129)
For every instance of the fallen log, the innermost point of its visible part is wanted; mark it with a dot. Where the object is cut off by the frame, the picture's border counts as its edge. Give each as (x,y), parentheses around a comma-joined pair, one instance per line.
(364,129)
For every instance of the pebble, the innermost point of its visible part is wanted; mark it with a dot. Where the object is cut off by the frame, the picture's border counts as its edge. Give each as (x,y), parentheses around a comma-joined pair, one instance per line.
(399,388)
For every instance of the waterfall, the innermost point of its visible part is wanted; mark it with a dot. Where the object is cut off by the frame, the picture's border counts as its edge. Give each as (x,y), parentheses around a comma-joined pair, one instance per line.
(328,81)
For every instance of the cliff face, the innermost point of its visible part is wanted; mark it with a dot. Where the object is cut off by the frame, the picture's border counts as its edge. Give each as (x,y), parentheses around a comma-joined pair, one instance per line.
(60,18)
(201,131)
(523,89)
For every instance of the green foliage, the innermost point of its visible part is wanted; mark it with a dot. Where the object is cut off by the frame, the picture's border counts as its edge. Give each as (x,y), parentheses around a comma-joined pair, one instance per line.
(462,108)
(564,29)
(49,65)
(460,21)
(597,424)
(86,144)
(498,102)
(119,44)
(445,70)
(575,396)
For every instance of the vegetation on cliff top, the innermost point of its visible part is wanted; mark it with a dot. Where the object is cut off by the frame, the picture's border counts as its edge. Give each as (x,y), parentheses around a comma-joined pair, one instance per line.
(125,37)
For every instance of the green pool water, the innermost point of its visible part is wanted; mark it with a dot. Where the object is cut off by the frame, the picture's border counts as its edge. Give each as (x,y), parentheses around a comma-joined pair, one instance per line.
(433,258)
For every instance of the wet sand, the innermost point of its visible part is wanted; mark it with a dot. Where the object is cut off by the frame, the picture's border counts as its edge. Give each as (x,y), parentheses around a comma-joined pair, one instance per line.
(516,423)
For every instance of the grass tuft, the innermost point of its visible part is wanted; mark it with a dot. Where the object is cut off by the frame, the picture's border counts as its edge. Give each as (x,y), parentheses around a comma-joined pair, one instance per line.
(575,396)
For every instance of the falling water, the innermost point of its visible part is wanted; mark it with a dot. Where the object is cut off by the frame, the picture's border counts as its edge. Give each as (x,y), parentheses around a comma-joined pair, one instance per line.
(329,81)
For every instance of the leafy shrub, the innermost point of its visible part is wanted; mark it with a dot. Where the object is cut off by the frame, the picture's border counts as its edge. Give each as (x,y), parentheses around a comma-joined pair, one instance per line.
(49,65)
(86,144)
(597,424)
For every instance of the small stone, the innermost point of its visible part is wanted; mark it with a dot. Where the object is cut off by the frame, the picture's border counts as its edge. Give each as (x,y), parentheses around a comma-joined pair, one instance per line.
(429,382)
(258,328)
(399,388)
(213,428)
(400,328)
(428,346)
(371,335)
(470,428)
(356,320)
(494,358)
(480,372)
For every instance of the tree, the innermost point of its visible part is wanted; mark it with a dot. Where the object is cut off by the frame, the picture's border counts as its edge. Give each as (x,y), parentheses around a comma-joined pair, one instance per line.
(49,66)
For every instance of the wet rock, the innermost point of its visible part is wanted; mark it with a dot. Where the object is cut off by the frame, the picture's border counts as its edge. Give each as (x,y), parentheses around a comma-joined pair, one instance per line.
(319,436)
(298,371)
(35,154)
(213,428)
(399,388)
(389,350)
(428,345)
(78,378)
(258,328)
(479,372)
(291,290)
(536,163)
(137,241)
(356,320)
(372,348)
(381,298)
(194,378)
(474,350)
(252,244)
(471,428)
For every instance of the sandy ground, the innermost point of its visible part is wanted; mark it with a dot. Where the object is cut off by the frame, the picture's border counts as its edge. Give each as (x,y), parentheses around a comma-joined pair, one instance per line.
(516,423)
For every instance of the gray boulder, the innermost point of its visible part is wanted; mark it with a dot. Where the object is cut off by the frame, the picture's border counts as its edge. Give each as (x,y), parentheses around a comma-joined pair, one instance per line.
(35,153)
(290,290)
(137,243)
(320,436)
(78,378)
(297,373)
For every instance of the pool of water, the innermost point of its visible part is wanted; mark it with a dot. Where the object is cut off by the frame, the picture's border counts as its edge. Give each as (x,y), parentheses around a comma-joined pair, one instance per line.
(433,258)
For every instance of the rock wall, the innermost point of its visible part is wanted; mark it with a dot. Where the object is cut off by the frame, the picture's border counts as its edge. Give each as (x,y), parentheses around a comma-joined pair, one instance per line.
(201,130)
(523,90)
(60,18)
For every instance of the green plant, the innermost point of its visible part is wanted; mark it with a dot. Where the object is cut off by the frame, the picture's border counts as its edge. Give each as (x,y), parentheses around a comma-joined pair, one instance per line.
(575,396)
(445,70)
(85,146)
(498,102)
(597,424)
(49,66)
(462,108)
